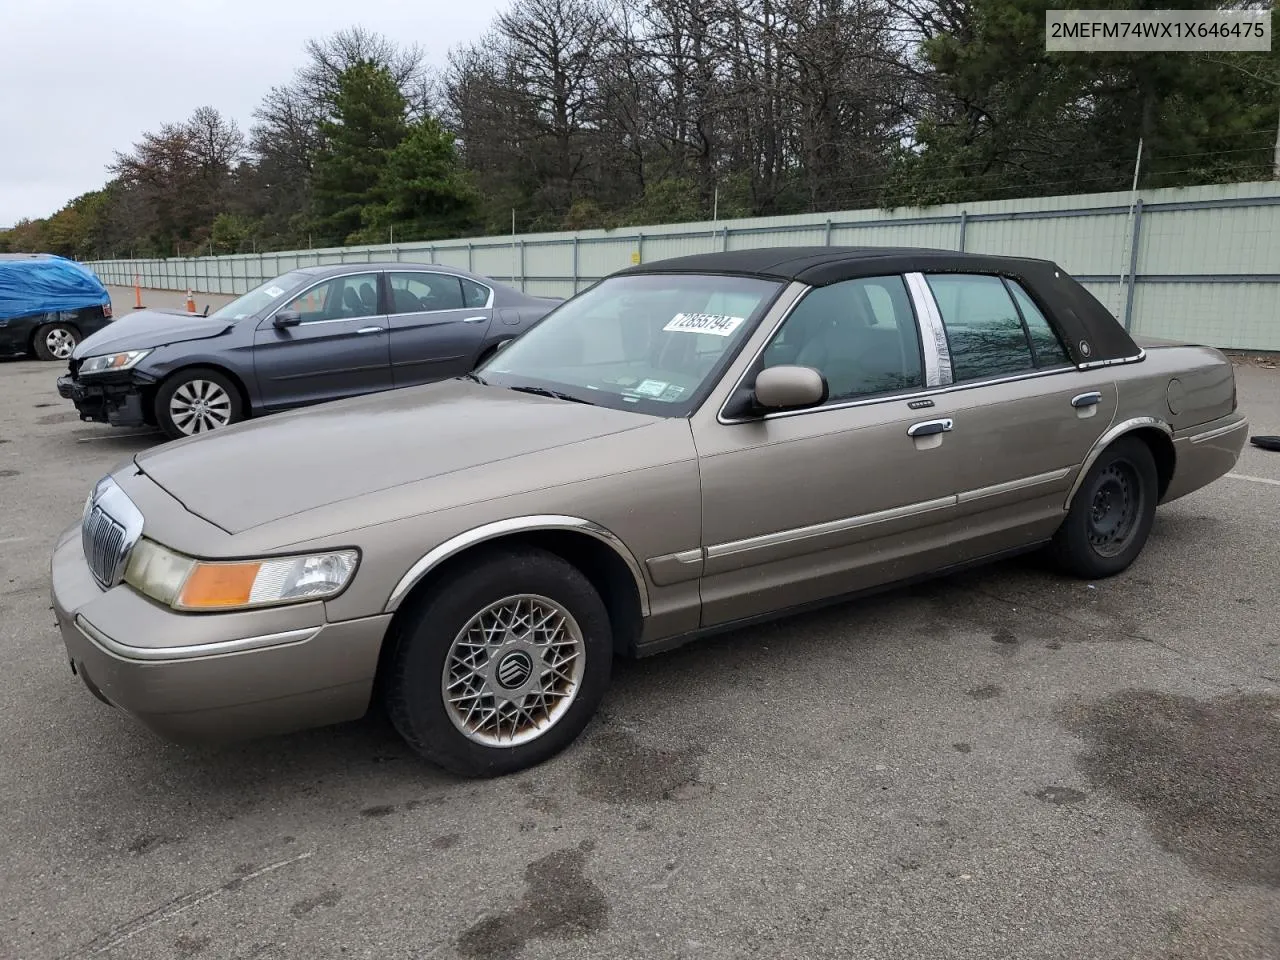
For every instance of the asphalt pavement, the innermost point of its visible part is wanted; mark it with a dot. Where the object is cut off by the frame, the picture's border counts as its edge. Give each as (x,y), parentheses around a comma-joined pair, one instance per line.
(1003,764)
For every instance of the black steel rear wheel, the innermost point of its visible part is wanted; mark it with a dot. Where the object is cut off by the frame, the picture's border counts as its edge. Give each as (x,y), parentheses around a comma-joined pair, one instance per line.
(1111,514)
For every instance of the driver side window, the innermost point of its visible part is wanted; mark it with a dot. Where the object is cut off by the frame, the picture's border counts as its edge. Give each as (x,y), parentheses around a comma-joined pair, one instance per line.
(341,298)
(861,335)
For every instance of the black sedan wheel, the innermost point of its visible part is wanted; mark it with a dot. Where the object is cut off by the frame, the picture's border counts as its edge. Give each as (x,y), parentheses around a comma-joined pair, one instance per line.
(500,665)
(55,341)
(197,401)
(1111,515)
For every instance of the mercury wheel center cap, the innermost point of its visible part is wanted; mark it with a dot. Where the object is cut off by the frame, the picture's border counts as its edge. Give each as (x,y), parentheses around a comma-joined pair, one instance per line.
(513,670)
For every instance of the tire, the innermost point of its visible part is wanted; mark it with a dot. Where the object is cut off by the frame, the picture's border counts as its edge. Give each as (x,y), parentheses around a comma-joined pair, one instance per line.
(197,401)
(55,341)
(429,657)
(1111,515)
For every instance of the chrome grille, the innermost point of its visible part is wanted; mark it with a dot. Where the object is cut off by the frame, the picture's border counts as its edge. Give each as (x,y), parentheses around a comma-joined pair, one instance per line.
(111,526)
(103,541)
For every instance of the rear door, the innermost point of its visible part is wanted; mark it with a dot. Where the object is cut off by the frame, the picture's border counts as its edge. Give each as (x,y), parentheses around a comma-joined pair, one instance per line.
(438,324)
(1024,416)
(338,350)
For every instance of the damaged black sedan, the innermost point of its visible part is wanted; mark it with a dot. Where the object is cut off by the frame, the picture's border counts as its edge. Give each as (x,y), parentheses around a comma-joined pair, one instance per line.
(308,336)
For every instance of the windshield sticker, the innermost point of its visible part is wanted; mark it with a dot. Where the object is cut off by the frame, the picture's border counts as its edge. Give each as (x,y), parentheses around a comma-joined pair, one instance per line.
(717,324)
(651,388)
(672,393)
(273,292)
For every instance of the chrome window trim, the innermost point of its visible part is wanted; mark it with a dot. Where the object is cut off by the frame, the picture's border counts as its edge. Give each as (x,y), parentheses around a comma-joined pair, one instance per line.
(499,528)
(308,289)
(488,304)
(191,651)
(1094,364)
(1113,434)
(933,335)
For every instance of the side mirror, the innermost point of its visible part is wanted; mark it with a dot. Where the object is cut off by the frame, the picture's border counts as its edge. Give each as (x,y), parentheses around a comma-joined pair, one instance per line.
(286,318)
(789,388)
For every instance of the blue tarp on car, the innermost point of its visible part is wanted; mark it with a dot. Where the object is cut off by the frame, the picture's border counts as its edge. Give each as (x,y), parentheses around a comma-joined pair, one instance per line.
(43,283)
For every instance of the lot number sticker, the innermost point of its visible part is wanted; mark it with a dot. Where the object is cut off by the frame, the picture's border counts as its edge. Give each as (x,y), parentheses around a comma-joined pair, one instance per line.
(716,324)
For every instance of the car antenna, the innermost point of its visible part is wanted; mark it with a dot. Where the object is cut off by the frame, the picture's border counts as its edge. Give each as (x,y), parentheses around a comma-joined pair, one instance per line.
(206,311)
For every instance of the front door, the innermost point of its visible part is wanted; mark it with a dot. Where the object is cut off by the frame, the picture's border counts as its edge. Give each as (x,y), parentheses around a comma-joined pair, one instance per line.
(438,325)
(807,505)
(1024,416)
(339,349)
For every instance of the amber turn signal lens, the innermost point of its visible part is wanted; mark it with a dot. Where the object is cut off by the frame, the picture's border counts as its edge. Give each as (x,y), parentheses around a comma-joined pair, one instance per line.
(212,585)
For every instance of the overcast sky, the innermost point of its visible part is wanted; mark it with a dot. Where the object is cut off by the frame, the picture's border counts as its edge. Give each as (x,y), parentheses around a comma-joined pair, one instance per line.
(83,78)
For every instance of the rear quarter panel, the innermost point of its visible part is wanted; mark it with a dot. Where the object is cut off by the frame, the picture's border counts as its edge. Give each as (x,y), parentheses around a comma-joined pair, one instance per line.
(1184,386)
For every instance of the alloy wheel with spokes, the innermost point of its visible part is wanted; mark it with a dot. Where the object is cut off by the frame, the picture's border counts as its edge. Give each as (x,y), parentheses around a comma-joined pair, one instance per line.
(500,663)
(60,342)
(57,341)
(513,670)
(197,401)
(199,406)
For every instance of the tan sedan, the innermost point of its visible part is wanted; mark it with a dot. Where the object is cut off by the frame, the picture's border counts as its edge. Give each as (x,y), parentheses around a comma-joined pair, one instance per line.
(686,446)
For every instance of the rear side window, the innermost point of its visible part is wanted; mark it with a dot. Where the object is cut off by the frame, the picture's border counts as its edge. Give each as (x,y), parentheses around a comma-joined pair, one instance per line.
(984,330)
(474,294)
(1044,342)
(424,292)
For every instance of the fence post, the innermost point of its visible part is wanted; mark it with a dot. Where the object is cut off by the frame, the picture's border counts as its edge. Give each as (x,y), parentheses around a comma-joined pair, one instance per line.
(575,263)
(522,266)
(1133,263)
(724,239)
(827,239)
(640,245)
(469,265)
(433,253)
(964,223)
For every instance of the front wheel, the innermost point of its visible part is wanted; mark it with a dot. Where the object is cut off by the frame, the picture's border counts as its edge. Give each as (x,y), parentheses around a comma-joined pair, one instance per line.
(501,665)
(197,401)
(1111,514)
(55,341)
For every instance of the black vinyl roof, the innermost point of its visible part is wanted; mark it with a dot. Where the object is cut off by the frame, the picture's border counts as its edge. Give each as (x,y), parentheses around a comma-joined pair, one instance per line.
(819,266)
(1088,330)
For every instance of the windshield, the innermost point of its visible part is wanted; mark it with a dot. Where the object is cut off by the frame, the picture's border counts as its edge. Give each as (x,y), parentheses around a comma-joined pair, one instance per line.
(651,343)
(259,298)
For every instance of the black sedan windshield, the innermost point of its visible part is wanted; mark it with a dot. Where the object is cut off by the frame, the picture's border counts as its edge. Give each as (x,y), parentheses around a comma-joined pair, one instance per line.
(261,297)
(652,343)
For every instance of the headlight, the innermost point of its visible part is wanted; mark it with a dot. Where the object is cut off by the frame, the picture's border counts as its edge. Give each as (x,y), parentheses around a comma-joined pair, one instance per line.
(109,362)
(187,584)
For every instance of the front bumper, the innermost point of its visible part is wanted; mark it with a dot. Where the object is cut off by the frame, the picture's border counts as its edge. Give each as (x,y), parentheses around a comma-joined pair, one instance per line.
(212,677)
(119,403)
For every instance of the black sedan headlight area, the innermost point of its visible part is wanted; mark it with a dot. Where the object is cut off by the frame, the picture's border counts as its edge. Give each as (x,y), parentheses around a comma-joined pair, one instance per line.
(111,362)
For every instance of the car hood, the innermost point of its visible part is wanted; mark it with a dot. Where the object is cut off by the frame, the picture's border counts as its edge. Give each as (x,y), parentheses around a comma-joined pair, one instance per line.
(148,328)
(264,470)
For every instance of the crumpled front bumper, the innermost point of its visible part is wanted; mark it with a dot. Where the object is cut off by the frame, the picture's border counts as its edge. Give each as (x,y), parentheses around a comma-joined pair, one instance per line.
(119,403)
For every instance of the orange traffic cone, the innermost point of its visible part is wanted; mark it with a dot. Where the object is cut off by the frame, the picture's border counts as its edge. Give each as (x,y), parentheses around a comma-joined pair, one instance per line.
(137,293)
(191,301)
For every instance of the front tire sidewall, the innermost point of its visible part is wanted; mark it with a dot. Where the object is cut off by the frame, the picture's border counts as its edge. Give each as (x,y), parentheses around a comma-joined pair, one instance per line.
(1073,551)
(165,394)
(412,688)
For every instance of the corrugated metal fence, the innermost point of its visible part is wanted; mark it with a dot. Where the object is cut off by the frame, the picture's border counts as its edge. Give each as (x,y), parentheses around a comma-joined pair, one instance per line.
(1198,263)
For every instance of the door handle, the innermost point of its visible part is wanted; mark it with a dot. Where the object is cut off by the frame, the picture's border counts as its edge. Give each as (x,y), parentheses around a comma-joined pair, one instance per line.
(1086,399)
(369,330)
(928,428)
(474,319)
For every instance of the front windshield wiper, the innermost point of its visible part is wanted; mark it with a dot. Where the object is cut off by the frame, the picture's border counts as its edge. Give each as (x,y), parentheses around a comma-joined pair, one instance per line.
(544,392)
(476,377)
